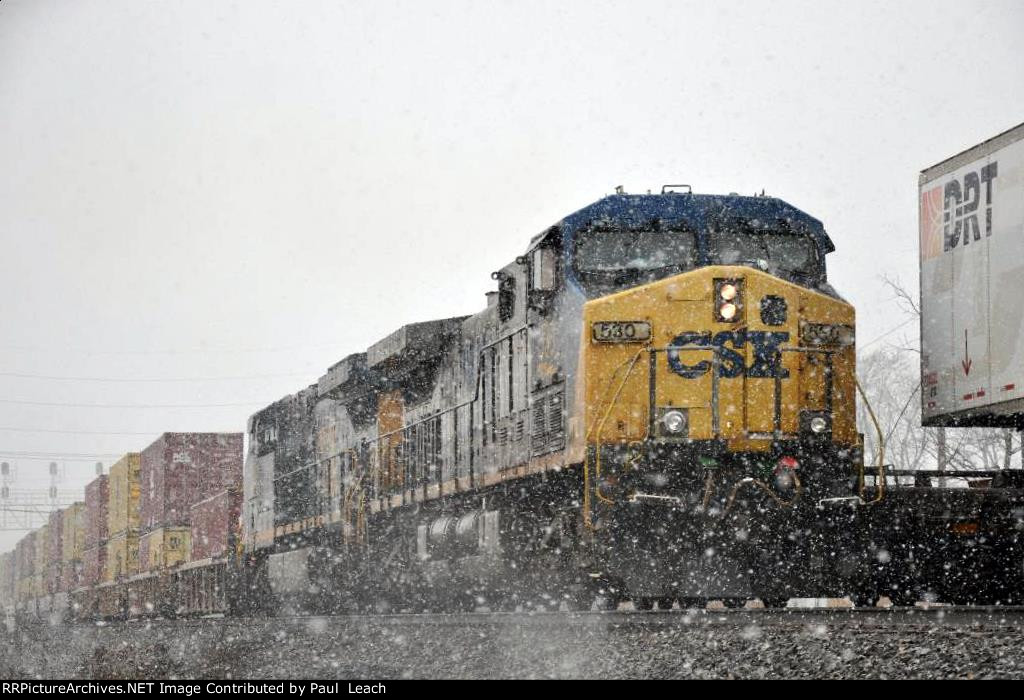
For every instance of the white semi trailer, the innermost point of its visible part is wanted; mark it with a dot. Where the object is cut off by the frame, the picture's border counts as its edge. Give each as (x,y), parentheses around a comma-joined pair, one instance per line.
(972,285)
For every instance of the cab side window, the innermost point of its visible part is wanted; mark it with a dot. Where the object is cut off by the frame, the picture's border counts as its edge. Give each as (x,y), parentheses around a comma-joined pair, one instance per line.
(544,266)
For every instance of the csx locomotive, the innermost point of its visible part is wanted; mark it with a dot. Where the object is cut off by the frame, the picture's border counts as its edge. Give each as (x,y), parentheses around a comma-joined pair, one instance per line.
(656,404)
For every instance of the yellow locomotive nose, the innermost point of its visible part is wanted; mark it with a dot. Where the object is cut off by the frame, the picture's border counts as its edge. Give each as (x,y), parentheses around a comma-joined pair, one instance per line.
(725,354)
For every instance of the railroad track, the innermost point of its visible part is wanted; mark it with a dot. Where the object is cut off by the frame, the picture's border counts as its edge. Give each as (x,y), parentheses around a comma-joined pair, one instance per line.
(918,642)
(1012,616)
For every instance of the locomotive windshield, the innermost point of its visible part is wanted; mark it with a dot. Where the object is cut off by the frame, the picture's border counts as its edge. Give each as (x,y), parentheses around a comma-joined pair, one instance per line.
(785,253)
(614,259)
(608,260)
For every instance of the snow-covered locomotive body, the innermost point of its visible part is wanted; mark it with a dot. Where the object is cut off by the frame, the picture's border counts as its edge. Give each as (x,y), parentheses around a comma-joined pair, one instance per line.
(520,455)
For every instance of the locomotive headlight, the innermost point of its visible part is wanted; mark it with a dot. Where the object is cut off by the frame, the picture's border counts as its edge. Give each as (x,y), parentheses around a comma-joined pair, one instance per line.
(673,422)
(728,300)
(815,425)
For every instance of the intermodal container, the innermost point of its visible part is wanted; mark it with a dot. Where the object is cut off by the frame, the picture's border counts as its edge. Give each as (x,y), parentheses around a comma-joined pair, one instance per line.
(6,579)
(181,469)
(971,244)
(54,551)
(41,545)
(96,497)
(123,499)
(73,539)
(164,548)
(122,557)
(214,524)
(72,545)
(94,564)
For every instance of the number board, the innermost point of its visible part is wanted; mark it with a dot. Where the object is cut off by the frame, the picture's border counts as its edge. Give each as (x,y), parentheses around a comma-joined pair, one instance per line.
(621,331)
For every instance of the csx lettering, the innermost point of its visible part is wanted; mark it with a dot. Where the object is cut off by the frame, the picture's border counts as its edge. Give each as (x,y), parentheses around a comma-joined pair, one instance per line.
(960,205)
(765,363)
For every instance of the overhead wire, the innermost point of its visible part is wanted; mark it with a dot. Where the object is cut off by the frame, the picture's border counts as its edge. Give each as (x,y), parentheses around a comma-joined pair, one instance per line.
(148,380)
(62,404)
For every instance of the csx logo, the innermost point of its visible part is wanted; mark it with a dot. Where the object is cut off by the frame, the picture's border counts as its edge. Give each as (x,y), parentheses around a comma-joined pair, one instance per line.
(767,358)
(960,207)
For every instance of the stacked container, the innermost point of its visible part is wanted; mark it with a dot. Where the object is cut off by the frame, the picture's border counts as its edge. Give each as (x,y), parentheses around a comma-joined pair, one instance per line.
(94,554)
(123,519)
(178,471)
(214,522)
(72,546)
(39,576)
(26,563)
(54,553)
(6,580)
(164,547)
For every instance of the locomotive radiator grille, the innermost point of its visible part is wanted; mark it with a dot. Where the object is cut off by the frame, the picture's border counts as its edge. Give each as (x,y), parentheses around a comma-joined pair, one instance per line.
(548,433)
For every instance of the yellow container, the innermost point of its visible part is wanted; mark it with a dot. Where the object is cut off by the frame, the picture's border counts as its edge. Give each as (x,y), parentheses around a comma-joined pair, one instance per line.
(73,538)
(122,557)
(165,548)
(42,543)
(123,504)
(28,588)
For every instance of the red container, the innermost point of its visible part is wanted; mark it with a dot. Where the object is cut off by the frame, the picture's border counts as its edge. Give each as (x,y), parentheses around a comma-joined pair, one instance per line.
(181,469)
(96,512)
(71,575)
(52,579)
(7,579)
(27,555)
(93,560)
(54,551)
(213,523)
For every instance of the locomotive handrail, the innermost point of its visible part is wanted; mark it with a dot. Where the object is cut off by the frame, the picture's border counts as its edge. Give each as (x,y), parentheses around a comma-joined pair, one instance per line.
(880,494)
(652,410)
(377,442)
(599,427)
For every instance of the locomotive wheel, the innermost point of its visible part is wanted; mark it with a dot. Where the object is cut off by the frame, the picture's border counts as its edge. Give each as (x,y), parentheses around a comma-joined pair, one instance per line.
(734,603)
(665,603)
(643,603)
(774,602)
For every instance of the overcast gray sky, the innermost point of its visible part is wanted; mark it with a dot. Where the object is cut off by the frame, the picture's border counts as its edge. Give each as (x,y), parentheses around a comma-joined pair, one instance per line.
(246,192)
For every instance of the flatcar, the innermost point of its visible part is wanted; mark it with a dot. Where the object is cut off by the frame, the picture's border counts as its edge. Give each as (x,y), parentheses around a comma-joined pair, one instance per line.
(657,404)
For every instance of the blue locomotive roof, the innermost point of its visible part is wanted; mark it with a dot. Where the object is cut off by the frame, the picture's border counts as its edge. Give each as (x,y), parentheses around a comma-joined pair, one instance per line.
(696,211)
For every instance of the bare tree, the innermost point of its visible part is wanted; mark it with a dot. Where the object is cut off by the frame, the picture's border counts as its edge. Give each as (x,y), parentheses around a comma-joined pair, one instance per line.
(890,378)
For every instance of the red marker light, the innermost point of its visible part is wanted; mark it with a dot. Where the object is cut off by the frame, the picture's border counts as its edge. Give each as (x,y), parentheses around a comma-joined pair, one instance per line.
(790,463)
